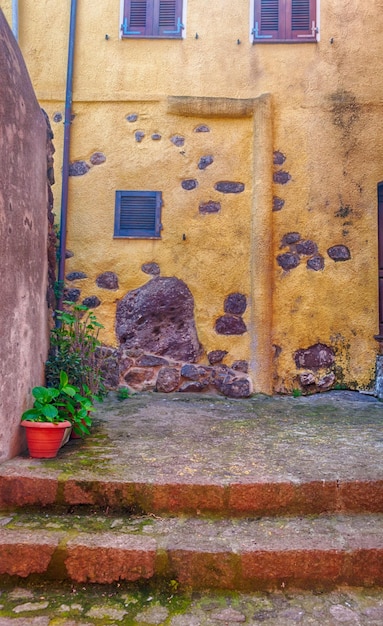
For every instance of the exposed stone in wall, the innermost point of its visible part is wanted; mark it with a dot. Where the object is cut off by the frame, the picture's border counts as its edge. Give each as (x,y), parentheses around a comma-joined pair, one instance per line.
(130,367)
(91,302)
(159,318)
(76,276)
(72,295)
(178,140)
(190,371)
(225,186)
(107,280)
(315,357)
(339,253)
(288,260)
(281,177)
(216,356)
(202,128)
(69,254)
(209,207)
(78,168)
(151,268)
(290,238)
(132,117)
(205,161)
(298,248)
(278,158)
(240,366)
(189,184)
(57,117)
(151,360)
(235,303)
(316,263)
(306,247)
(230,325)
(278,203)
(97,158)
(168,379)
(156,136)
(139,135)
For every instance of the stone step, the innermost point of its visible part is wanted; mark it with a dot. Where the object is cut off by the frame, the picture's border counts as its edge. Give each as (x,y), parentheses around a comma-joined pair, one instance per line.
(237,554)
(25,486)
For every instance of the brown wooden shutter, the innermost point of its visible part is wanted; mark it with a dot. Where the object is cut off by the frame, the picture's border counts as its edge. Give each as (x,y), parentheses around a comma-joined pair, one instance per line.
(267,20)
(301,20)
(168,18)
(152,18)
(284,20)
(137,18)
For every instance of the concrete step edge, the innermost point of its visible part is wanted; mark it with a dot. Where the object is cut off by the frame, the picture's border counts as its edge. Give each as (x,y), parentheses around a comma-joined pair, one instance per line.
(19,490)
(202,554)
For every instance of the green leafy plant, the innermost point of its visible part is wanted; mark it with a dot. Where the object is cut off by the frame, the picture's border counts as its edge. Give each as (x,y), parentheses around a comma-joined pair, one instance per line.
(59,404)
(76,349)
(297,393)
(123,393)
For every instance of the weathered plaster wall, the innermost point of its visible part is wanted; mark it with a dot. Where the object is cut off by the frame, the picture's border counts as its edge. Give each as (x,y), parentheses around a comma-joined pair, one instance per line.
(23,236)
(321,266)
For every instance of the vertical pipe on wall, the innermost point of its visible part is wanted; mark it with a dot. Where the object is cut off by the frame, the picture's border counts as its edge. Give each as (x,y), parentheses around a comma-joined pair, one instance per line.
(65,168)
(15,19)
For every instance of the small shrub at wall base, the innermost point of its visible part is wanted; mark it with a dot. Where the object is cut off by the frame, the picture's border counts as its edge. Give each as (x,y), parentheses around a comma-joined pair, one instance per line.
(74,349)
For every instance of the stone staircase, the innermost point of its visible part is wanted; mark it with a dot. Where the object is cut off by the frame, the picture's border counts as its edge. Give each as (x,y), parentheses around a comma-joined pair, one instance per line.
(203,520)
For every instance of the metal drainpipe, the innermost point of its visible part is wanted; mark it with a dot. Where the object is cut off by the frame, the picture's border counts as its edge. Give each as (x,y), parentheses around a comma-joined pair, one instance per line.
(65,169)
(15,19)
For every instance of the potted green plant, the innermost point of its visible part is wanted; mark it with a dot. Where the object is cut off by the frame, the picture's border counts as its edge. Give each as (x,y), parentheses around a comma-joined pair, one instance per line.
(55,410)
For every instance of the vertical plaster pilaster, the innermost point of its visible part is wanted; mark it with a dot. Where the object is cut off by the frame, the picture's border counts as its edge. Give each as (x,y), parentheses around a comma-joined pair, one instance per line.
(260,249)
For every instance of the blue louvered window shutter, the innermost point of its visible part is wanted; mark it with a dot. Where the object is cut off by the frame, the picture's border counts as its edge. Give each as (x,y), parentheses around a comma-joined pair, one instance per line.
(138,214)
(152,18)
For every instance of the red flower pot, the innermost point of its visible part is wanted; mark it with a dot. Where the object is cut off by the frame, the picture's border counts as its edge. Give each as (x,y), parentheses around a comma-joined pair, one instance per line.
(44,439)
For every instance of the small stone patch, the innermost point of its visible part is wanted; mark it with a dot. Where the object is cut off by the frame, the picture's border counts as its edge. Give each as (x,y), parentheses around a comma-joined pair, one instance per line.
(91,302)
(76,276)
(339,253)
(139,135)
(281,177)
(205,161)
(107,280)
(228,615)
(189,184)
(226,186)
(30,606)
(154,615)
(78,168)
(97,158)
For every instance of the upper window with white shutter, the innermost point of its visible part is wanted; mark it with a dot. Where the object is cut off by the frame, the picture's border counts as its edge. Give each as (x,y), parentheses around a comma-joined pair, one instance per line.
(289,21)
(152,18)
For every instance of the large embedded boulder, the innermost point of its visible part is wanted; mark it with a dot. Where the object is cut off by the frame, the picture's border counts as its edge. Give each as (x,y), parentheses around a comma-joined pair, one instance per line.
(159,318)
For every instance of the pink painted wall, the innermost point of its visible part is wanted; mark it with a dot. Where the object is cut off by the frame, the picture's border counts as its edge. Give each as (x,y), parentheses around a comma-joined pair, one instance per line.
(23,243)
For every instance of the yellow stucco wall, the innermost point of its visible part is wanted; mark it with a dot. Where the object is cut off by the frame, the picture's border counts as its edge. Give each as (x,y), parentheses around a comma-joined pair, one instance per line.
(324,117)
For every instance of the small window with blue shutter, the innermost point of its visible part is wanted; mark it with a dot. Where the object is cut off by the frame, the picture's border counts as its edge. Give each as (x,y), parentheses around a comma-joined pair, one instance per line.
(138,214)
(152,18)
(288,21)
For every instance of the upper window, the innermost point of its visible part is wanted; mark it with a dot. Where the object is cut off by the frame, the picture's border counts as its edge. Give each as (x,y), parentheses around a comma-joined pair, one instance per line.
(138,214)
(285,20)
(152,18)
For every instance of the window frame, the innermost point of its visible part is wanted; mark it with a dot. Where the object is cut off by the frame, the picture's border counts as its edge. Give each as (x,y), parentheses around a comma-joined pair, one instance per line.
(147,20)
(138,232)
(279,13)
